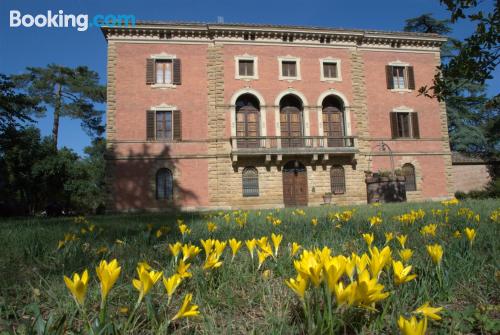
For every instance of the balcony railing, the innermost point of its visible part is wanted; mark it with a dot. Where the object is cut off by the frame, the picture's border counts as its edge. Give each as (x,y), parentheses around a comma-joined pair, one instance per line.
(292,145)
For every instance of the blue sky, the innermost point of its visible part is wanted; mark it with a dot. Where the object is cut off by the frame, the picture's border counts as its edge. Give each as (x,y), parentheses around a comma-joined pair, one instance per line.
(22,47)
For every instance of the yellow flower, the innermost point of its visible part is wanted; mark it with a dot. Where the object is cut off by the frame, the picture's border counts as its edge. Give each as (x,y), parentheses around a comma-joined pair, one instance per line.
(430,229)
(175,249)
(429,311)
(219,247)
(189,251)
(212,262)
(262,255)
(171,284)
(412,326)
(298,285)
(436,253)
(402,240)
(78,286)
(108,274)
(262,242)
(369,238)
(379,259)
(208,245)
(405,255)
(388,237)
(375,220)
(334,269)
(401,273)
(276,222)
(309,266)
(235,246)
(276,242)
(187,310)
(183,270)
(147,279)
(295,248)
(159,233)
(457,234)
(347,295)
(470,233)
(211,227)
(477,218)
(314,222)
(368,290)
(251,246)
(184,229)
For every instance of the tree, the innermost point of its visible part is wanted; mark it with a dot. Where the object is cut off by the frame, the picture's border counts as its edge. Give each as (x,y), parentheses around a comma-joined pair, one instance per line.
(69,92)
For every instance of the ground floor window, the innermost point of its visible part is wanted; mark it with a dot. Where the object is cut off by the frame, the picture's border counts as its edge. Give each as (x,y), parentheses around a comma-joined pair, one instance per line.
(410,180)
(250,182)
(337,179)
(164,184)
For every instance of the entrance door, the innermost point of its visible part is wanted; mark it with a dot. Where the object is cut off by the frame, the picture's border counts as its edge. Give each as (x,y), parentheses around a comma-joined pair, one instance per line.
(294,184)
(333,126)
(291,127)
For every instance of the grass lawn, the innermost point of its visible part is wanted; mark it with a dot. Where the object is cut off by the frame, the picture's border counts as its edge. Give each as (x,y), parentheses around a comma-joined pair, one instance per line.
(240,298)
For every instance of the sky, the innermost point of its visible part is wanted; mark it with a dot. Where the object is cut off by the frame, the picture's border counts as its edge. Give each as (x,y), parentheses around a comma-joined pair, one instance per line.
(21,46)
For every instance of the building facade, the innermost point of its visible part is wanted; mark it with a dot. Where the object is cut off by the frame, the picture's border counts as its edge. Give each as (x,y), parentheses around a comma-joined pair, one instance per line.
(206,116)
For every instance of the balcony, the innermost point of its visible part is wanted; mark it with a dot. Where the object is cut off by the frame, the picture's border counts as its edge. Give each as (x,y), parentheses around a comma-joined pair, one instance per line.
(280,145)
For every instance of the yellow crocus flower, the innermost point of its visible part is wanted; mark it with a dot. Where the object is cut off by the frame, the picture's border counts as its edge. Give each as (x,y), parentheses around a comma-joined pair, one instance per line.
(375,220)
(147,279)
(402,240)
(457,234)
(189,251)
(436,253)
(388,237)
(310,267)
(295,248)
(430,229)
(368,290)
(262,256)
(219,247)
(184,229)
(412,326)
(276,242)
(187,309)
(379,259)
(211,227)
(347,295)
(262,242)
(212,262)
(298,285)
(235,246)
(175,249)
(314,222)
(401,273)
(183,270)
(471,234)
(171,284)
(251,246)
(108,274)
(405,254)
(208,245)
(78,286)
(334,269)
(369,238)
(429,311)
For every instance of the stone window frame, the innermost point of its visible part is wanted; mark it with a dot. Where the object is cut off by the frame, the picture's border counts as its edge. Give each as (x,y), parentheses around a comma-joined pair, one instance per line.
(176,174)
(255,60)
(409,111)
(163,56)
(405,65)
(289,58)
(339,67)
(415,195)
(245,179)
(164,108)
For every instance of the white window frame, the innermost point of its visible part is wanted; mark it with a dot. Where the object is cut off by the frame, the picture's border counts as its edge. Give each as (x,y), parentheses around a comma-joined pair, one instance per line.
(322,61)
(404,109)
(164,56)
(289,59)
(405,65)
(255,60)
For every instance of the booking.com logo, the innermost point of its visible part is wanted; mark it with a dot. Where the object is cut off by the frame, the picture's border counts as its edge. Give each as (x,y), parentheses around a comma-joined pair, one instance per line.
(61,20)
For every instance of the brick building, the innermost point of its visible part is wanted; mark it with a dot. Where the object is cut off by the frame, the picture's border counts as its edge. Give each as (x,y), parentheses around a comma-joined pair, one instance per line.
(207,116)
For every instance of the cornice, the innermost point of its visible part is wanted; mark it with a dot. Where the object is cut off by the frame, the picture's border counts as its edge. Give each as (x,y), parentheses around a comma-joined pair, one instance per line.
(220,33)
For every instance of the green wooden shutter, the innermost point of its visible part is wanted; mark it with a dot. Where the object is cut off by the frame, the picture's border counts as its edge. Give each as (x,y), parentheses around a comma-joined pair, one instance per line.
(388,75)
(150,71)
(394,124)
(176,62)
(414,125)
(411,78)
(177,122)
(150,125)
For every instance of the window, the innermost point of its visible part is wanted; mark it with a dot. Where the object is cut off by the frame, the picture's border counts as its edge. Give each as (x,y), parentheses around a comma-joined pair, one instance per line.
(245,67)
(410,180)
(289,69)
(164,185)
(250,182)
(329,70)
(400,77)
(163,71)
(404,125)
(164,125)
(337,179)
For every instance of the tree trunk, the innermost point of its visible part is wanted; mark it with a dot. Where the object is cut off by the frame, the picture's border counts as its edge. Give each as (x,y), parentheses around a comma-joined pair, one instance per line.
(57,112)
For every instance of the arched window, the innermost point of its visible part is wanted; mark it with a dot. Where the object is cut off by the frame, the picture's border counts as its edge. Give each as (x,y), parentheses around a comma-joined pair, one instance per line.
(291,119)
(164,184)
(250,182)
(337,179)
(410,180)
(333,121)
(247,121)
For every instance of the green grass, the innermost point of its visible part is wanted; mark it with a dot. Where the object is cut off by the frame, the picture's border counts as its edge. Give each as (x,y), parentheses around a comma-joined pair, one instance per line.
(237,298)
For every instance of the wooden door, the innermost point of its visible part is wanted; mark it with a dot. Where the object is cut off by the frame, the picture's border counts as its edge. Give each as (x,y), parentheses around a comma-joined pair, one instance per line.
(294,185)
(247,125)
(333,126)
(291,127)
